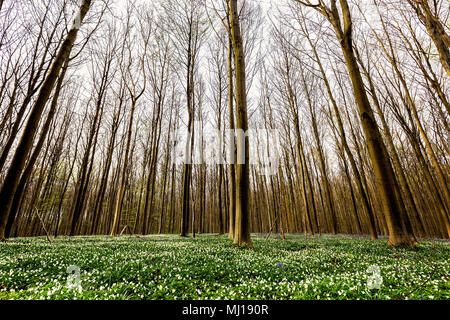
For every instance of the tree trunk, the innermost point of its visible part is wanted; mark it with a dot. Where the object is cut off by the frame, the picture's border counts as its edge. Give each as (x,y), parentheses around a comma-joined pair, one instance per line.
(383,171)
(242,232)
(18,162)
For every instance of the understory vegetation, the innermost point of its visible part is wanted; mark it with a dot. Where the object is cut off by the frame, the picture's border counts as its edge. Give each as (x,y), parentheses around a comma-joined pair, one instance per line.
(210,267)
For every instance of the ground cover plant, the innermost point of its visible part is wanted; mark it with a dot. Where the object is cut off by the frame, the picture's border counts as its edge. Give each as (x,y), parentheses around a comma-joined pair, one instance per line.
(210,267)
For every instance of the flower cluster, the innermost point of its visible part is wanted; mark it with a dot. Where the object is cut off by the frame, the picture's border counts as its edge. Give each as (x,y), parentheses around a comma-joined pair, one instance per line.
(210,267)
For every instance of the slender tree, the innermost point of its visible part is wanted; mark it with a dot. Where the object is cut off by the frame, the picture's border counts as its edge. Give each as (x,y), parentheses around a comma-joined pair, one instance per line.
(12,177)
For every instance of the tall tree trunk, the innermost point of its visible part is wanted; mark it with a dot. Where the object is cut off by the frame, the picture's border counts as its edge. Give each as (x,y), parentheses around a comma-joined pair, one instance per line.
(123,177)
(18,162)
(242,230)
(435,29)
(383,170)
(232,192)
(366,203)
(30,165)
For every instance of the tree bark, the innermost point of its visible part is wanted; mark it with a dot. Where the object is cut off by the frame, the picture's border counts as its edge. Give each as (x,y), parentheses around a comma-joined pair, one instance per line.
(18,162)
(242,232)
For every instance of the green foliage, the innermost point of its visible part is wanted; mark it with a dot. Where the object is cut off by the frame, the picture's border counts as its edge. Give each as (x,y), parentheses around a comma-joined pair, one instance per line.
(210,267)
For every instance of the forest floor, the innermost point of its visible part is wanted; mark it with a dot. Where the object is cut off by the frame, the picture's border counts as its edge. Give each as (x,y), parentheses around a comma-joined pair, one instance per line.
(210,267)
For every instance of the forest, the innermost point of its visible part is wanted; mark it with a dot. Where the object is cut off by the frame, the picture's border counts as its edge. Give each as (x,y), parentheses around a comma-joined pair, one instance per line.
(224,149)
